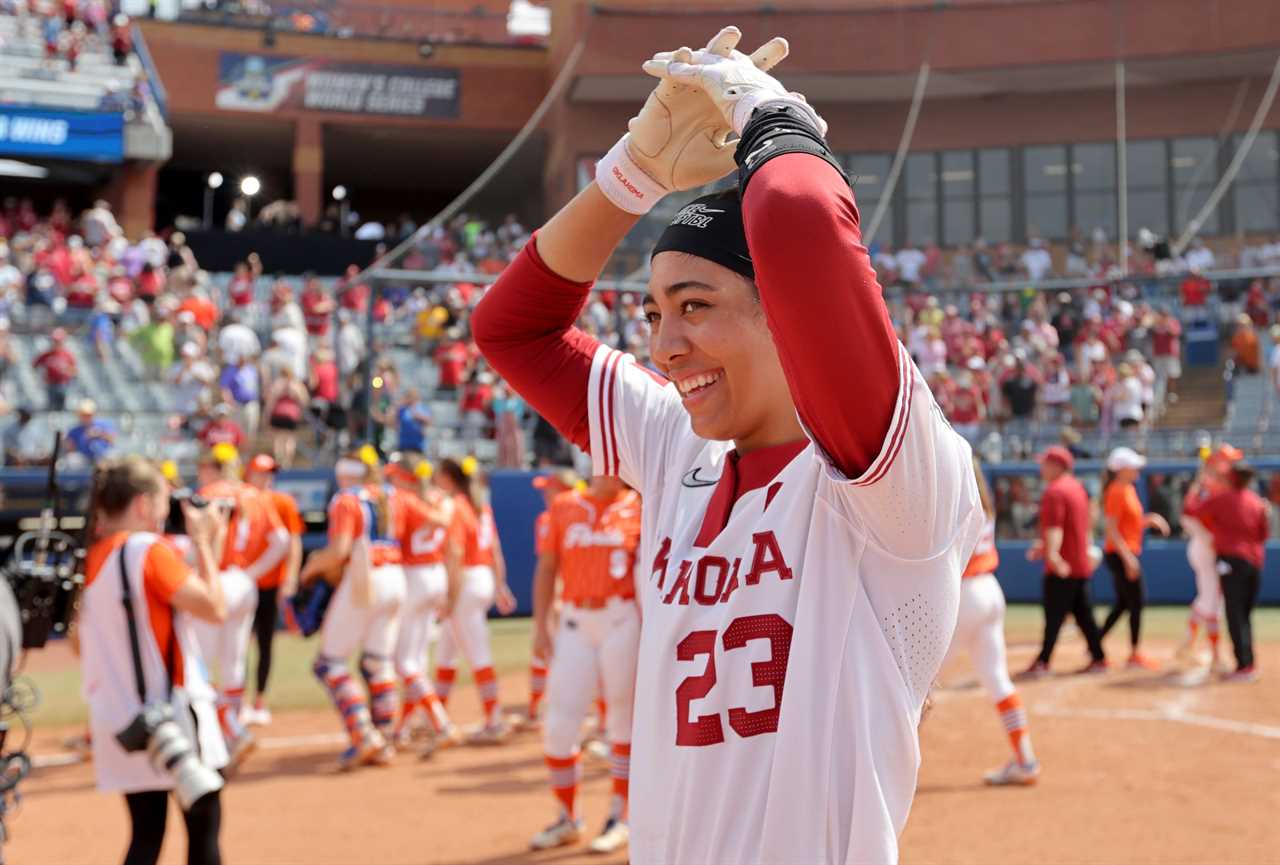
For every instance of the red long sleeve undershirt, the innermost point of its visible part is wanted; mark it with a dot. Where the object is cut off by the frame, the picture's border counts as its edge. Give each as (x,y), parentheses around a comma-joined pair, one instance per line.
(821,299)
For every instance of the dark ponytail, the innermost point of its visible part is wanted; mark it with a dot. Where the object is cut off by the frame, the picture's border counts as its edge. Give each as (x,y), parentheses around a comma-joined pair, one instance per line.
(452,469)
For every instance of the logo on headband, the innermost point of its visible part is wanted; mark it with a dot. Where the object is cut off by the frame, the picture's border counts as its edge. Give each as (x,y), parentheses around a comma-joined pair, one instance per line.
(695,215)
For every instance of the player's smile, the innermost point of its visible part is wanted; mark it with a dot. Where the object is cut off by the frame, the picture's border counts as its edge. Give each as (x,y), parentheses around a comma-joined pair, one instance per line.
(697,388)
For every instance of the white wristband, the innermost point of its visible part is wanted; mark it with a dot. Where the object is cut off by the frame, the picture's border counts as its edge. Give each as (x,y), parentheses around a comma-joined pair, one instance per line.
(625,183)
(748,104)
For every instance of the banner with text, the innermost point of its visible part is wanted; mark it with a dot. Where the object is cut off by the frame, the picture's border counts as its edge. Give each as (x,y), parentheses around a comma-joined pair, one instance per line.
(97,137)
(253,82)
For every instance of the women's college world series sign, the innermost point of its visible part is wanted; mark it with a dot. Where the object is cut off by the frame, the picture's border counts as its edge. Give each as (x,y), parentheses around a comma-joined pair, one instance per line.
(252,82)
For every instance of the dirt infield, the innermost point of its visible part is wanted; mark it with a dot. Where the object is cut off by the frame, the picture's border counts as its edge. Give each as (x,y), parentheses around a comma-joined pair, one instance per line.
(1138,767)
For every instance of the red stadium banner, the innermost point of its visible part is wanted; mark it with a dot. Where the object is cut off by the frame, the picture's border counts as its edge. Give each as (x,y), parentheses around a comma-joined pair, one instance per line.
(252,82)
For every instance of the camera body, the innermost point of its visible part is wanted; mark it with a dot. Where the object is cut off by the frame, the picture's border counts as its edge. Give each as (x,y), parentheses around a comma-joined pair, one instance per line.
(176,524)
(155,731)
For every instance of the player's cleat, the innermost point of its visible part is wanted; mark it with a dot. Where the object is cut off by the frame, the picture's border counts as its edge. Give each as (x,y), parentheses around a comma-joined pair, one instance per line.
(1014,774)
(596,749)
(239,750)
(1221,667)
(1093,668)
(490,734)
(381,756)
(367,753)
(255,716)
(561,833)
(1244,674)
(1038,670)
(1139,661)
(524,723)
(614,837)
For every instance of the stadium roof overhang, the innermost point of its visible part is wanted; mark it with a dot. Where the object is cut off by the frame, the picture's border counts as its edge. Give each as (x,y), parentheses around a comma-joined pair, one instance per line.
(972,83)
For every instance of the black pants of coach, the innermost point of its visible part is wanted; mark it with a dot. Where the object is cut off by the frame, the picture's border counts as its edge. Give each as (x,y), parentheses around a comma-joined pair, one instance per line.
(264,629)
(1064,595)
(1240,584)
(1131,597)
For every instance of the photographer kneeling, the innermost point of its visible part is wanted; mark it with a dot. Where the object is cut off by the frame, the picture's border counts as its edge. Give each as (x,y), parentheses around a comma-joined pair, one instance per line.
(151,710)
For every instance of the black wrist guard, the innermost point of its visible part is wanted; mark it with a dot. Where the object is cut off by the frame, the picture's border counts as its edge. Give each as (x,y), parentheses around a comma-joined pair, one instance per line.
(772,131)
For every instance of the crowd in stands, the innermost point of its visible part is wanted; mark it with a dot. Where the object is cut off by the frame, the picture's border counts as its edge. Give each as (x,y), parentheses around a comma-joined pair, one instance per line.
(273,360)
(283,361)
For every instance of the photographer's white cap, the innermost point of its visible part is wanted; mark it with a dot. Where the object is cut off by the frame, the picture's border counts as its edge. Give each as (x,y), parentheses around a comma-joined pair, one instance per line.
(1125,458)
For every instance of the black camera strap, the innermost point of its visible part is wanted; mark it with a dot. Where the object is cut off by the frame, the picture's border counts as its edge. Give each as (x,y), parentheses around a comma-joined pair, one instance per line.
(127,597)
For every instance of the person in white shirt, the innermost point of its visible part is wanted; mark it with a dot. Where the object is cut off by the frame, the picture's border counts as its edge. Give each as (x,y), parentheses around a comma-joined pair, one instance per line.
(1199,256)
(909,261)
(190,378)
(237,340)
(1036,261)
(1126,398)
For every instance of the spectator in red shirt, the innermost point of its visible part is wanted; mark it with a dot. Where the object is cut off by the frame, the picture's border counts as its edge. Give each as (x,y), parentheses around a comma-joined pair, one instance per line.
(1239,521)
(150,284)
(222,429)
(476,405)
(317,307)
(1166,352)
(243,279)
(451,357)
(1066,548)
(59,367)
(968,406)
(353,297)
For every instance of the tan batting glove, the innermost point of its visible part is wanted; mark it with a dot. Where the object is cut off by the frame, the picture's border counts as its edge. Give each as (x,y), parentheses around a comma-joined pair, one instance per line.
(678,141)
(732,80)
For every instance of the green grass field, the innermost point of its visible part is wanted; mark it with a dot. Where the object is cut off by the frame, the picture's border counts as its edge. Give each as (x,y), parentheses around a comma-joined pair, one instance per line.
(293,686)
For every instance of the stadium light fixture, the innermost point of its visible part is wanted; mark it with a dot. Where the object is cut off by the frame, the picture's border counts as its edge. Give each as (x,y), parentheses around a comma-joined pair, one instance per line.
(339,193)
(215,180)
(250,186)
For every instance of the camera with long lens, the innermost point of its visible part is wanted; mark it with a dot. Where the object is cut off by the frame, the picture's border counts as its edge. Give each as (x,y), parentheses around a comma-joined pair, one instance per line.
(155,731)
(176,524)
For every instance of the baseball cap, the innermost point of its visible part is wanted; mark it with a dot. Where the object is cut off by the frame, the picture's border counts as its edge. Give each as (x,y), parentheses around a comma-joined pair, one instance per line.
(264,463)
(1059,455)
(564,479)
(1125,458)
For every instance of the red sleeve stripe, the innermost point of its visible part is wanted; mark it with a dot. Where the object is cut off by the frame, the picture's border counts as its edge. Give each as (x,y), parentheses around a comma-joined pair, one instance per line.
(611,460)
(906,392)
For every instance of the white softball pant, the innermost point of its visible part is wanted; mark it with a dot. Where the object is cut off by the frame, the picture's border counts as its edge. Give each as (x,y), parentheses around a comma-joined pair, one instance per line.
(372,628)
(226,645)
(592,646)
(468,628)
(426,589)
(980,632)
(1207,606)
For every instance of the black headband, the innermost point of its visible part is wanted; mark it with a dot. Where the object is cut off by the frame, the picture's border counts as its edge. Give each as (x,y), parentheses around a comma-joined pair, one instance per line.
(710,227)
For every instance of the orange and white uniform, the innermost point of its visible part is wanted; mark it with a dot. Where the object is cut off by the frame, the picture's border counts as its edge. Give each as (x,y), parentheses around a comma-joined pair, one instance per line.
(423,544)
(1207,606)
(980,633)
(467,629)
(286,509)
(595,544)
(169,651)
(256,543)
(365,610)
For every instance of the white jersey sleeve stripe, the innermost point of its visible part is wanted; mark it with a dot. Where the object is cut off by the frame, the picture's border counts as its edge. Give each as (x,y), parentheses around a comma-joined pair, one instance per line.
(897,425)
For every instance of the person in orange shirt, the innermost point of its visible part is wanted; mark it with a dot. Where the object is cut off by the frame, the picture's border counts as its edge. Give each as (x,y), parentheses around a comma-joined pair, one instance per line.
(1125,524)
(129,503)
(550,484)
(256,543)
(484,583)
(980,633)
(363,560)
(592,543)
(433,580)
(260,475)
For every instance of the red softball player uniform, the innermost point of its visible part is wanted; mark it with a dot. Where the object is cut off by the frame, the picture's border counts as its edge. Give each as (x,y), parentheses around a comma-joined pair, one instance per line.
(798,599)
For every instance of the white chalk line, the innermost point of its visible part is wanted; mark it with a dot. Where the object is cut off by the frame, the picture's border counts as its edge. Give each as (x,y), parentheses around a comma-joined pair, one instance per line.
(1167,713)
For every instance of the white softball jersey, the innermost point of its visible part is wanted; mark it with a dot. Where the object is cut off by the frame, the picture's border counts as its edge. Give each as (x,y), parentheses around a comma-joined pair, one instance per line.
(785,662)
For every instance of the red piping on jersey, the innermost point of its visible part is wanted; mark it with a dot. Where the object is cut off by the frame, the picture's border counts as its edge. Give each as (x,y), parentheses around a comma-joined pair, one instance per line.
(742,474)
(613,362)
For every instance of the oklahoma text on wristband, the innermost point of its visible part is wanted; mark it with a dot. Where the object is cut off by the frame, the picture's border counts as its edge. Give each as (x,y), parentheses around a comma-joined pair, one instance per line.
(776,129)
(625,183)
